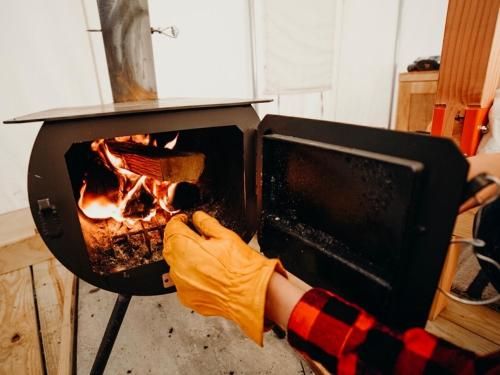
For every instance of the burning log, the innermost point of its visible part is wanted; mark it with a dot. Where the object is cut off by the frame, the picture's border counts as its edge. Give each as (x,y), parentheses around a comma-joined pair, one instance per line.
(140,204)
(162,164)
(186,196)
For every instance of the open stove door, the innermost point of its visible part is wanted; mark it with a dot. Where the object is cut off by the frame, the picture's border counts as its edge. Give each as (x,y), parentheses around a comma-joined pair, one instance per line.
(366,213)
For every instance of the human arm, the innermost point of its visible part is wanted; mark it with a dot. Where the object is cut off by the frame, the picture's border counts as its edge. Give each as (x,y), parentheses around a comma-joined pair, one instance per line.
(281,297)
(347,340)
(217,274)
(482,163)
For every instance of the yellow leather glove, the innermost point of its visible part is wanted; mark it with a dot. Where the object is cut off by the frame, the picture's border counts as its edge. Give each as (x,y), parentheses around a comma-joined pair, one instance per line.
(216,273)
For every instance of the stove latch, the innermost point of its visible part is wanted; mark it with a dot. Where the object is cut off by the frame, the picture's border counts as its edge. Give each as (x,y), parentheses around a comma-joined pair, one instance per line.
(49,219)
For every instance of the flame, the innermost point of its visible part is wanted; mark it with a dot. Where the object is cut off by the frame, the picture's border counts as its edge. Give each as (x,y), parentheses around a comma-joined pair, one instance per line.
(141,138)
(146,193)
(98,207)
(171,144)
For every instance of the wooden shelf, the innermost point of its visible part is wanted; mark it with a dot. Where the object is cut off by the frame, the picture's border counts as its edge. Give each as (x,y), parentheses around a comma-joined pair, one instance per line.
(417,94)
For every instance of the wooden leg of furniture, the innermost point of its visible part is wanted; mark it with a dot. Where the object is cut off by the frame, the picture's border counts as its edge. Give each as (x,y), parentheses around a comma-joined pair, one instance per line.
(447,275)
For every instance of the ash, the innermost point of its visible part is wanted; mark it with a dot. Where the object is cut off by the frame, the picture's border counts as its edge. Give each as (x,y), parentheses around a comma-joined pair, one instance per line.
(115,247)
(322,241)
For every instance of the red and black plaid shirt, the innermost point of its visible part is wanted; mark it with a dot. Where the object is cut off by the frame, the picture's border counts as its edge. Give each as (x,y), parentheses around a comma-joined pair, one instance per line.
(347,340)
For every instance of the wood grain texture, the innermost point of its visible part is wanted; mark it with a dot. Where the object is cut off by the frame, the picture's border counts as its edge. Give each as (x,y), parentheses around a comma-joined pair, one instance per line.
(19,343)
(481,320)
(22,254)
(54,288)
(420,112)
(432,75)
(454,333)
(66,348)
(447,275)
(160,163)
(470,58)
(416,98)
(463,224)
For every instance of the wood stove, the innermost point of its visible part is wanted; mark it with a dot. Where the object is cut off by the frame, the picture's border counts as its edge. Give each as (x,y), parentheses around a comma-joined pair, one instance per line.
(124,256)
(365,212)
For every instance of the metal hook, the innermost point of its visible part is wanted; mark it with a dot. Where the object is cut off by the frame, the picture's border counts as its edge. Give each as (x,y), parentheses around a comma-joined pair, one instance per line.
(170,31)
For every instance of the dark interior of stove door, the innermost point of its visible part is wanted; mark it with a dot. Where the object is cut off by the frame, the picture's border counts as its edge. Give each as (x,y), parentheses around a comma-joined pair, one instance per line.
(352,210)
(116,247)
(351,207)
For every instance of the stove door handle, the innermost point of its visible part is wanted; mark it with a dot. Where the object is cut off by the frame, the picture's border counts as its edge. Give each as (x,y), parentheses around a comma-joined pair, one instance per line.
(49,219)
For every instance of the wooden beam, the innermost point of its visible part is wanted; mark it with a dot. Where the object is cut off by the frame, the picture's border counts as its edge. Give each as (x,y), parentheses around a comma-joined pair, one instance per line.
(55,291)
(446,280)
(470,61)
(470,58)
(19,343)
(22,254)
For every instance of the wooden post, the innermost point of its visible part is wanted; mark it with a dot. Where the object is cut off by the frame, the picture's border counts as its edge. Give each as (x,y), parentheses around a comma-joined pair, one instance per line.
(469,72)
(126,32)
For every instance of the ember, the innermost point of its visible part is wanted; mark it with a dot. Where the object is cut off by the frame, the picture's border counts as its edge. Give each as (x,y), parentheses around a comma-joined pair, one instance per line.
(123,211)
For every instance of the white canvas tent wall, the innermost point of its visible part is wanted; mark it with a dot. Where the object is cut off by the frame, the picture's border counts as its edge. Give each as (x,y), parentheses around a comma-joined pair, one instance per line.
(49,60)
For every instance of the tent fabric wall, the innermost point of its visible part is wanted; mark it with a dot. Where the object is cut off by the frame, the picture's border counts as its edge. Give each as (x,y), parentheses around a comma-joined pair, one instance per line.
(46,62)
(365,34)
(421,34)
(299,45)
(50,60)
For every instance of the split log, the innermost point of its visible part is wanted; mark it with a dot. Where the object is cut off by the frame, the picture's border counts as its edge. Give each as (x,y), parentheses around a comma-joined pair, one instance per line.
(186,196)
(160,163)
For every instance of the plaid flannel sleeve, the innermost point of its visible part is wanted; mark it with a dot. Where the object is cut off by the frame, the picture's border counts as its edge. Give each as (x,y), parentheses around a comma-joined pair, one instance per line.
(347,340)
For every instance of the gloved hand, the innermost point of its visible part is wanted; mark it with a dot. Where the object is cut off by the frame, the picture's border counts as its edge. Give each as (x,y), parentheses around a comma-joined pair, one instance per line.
(216,273)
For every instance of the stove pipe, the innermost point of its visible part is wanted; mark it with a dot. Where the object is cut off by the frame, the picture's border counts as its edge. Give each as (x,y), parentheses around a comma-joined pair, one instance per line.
(126,32)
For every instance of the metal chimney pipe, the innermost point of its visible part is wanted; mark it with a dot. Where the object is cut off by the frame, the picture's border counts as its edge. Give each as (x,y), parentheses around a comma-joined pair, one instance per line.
(126,32)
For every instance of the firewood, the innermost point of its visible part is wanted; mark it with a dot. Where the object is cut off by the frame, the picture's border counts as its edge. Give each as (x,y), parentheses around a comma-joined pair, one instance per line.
(186,196)
(160,163)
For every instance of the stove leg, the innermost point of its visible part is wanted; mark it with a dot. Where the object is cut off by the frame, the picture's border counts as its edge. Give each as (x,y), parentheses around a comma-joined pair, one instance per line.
(112,329)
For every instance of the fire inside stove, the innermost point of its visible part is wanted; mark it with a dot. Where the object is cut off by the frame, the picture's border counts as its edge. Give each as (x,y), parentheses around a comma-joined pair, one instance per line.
(128,187)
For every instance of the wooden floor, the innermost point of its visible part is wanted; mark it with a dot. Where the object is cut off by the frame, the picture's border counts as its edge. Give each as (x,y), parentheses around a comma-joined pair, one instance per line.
(38,295)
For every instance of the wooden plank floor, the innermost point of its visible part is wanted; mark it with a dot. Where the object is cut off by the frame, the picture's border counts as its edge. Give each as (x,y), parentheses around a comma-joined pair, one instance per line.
(20,347)
(36,297)
(37,303)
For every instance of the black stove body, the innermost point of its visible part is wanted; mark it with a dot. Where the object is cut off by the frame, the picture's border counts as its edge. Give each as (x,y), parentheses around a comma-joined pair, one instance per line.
(364,212)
